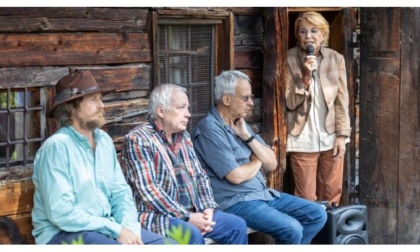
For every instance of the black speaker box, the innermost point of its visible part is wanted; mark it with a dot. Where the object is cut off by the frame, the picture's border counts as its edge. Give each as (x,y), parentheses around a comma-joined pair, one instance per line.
(345,225)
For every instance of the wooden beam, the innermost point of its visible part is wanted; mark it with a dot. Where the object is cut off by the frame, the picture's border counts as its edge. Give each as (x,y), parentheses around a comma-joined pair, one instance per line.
(224,46)
(274,124)
(317,9)
(349,17)
(155,47)
(53,19)
(73,49)
(211,11)
(31,76)
(256,80)
(196,12)
(248,57)
(256,11)
(249,31)
(409,140)
(380,121)
(117,111)
(123,78)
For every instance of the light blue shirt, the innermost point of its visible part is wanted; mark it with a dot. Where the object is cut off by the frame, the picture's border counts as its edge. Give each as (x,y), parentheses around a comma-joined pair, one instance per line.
(220,151)
(78,190)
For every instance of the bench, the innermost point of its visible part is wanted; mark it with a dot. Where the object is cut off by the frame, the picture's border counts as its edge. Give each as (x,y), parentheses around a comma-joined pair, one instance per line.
(209,241)
(15,213)
(16,201)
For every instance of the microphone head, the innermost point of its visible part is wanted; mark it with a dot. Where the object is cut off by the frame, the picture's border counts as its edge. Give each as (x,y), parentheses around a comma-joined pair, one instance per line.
(310,49)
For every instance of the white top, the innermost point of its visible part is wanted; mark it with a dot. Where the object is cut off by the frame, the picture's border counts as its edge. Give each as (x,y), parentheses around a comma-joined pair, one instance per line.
(314,137)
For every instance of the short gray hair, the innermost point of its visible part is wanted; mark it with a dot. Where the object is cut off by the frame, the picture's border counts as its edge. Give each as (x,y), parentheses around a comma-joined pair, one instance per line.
(226,82)
(161,96)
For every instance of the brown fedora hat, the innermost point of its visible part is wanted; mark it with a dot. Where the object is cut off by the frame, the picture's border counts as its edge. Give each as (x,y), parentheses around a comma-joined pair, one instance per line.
(75,85)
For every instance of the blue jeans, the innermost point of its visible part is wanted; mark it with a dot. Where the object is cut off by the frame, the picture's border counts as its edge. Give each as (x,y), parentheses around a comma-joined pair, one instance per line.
(229,229)
(288,219)
(92,237)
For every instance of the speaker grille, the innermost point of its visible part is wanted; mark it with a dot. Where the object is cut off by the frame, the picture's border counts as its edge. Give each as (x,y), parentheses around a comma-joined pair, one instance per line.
(351,221)
(351,239)
(345,225)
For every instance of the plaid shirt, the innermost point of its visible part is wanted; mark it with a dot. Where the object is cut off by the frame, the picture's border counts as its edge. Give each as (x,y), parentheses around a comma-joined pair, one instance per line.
(187,189)
(149,169)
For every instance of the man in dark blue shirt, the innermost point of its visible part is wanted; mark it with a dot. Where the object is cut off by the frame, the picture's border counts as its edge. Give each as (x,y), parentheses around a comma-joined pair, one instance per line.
(234,157)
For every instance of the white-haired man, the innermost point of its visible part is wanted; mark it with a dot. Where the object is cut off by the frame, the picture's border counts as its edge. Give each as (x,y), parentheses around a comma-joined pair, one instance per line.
(170,187)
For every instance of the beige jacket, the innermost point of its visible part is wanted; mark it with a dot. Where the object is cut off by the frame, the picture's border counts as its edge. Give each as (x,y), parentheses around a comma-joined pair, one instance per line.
(333,79)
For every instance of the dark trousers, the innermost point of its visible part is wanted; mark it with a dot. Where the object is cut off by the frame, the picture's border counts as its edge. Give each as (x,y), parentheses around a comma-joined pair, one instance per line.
(92,237)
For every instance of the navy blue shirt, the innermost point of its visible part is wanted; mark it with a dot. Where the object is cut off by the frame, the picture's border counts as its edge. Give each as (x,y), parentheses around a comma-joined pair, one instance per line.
(220,151)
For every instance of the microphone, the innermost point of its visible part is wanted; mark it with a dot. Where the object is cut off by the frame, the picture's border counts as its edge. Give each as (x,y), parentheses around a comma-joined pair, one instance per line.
(310,50)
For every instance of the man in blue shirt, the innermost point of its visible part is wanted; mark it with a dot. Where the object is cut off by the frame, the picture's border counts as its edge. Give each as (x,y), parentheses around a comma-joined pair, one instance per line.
(80,192)
(234,158)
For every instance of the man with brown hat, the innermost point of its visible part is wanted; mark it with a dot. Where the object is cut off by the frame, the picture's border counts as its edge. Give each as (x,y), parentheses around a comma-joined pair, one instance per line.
(81,195)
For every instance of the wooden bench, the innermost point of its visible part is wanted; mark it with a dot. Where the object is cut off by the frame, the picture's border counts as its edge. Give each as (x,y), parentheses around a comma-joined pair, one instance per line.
(16,202)
(210,241)
(16,199)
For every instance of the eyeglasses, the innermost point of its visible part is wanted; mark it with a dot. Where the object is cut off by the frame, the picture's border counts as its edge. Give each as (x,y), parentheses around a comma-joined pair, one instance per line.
(312,32)
(245,98)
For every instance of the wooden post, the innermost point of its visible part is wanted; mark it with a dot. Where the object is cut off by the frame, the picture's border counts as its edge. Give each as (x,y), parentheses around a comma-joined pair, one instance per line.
(273,112)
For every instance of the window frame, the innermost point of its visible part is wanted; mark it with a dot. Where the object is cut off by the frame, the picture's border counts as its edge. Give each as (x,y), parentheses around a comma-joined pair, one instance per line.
(27,140)
(223,46)
(224,36)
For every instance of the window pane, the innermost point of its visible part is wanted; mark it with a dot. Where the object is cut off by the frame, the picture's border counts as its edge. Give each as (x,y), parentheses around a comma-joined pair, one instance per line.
(31,150)
(20,127)
(186,59)
(16,133)
(33,126)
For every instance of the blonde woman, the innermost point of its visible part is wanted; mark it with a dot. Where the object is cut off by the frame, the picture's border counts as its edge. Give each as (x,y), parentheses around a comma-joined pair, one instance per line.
(317,111)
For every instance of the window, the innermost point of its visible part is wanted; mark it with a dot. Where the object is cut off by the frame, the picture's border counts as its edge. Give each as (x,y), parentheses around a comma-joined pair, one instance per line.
(185,58)
(21,126)
(189,51)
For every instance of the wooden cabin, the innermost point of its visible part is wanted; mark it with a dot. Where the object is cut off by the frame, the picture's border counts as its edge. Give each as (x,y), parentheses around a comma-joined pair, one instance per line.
(136,49)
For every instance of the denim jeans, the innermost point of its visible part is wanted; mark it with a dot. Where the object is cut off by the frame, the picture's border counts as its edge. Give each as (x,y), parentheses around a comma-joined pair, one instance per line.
(93,237)
(86,237)
(288,219)
(229,229)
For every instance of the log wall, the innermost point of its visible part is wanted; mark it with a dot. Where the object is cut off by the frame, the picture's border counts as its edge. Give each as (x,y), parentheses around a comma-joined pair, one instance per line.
(390,124)
(40,45)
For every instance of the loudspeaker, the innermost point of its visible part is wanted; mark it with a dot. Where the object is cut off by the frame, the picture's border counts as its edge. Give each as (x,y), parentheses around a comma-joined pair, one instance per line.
(345,225)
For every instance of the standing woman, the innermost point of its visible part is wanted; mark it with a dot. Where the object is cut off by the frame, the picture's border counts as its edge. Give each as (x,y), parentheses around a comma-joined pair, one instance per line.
(318,119)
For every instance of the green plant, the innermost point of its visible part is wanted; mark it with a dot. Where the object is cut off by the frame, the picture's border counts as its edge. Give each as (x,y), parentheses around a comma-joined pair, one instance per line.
(79,241)
(179,235)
